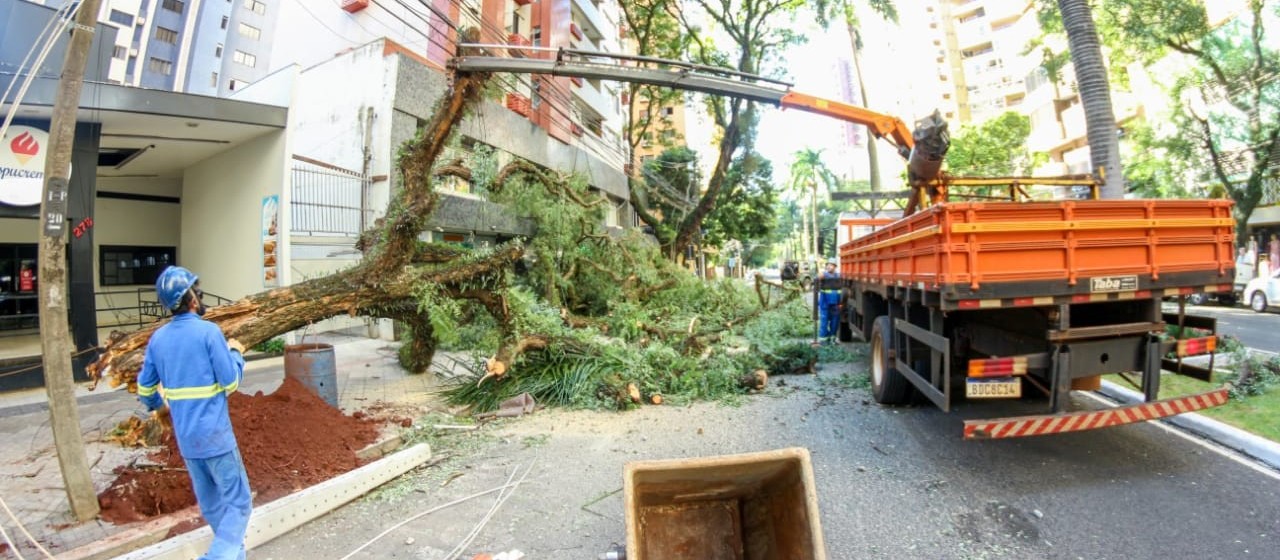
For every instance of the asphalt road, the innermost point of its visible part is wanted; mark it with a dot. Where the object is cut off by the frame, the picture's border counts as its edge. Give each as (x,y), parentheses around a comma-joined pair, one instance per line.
(891,483)
(1260,331)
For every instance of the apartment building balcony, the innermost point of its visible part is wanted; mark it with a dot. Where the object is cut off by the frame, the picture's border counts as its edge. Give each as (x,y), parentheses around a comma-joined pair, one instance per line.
(1003,11)
(1046,137)
(582,43)
(593,97)
(517,39)
(520,104)
(1073,121)
(973,33)
(594,24)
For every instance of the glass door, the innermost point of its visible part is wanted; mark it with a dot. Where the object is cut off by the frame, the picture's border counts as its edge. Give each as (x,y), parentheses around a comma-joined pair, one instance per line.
(19,305)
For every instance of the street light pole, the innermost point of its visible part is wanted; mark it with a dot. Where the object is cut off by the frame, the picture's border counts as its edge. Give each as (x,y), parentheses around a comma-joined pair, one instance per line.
(55,334)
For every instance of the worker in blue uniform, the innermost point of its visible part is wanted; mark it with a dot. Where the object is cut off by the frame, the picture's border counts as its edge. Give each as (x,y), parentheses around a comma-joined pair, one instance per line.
(829,302)
(190,369)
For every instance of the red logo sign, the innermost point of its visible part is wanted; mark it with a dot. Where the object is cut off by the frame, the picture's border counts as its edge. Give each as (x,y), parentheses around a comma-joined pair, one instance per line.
(24,147)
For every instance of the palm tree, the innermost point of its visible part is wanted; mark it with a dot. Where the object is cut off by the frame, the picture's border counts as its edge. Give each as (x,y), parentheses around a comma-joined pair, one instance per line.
(846,10)
(807,172)
(1095,93)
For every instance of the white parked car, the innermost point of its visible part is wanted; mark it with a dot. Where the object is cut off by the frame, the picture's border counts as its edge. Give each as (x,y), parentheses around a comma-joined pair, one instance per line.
(1263,293)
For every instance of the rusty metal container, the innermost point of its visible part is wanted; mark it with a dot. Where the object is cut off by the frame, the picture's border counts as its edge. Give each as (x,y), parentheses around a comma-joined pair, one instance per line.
(754,506)
(314,365)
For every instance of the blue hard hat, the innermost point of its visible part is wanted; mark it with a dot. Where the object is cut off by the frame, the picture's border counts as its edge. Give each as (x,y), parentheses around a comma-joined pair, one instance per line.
(172,284)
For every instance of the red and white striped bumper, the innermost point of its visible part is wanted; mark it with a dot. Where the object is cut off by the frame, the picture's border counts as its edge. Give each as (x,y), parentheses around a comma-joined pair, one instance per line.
(1021,426)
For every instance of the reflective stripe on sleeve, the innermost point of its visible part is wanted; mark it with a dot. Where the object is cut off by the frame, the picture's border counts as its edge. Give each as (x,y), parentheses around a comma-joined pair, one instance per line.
(146,391)
(231,388)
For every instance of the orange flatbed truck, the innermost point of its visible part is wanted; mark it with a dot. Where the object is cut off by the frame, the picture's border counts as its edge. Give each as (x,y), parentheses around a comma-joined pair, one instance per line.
(986,300)
(990,300)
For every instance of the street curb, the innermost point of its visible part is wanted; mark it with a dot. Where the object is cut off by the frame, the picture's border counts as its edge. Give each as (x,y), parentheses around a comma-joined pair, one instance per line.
(1257,447)
(278,517)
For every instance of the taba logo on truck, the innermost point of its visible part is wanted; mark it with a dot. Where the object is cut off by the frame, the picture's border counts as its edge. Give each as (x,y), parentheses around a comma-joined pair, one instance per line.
(22,165)
(1113,283)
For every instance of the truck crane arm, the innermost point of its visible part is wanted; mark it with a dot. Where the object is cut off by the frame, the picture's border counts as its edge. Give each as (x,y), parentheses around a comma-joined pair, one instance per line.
(924,149)
(882,126)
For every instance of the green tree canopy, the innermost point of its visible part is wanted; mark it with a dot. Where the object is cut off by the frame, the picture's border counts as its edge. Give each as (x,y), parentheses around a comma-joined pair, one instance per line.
(757,32)
(746,207)
(1226,120)
(997,147)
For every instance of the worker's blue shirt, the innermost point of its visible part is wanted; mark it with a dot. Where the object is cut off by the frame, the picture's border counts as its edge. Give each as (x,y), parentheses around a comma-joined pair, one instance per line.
(828,296)
(189,360)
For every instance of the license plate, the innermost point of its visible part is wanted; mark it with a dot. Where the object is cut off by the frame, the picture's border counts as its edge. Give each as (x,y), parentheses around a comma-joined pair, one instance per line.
(998,388)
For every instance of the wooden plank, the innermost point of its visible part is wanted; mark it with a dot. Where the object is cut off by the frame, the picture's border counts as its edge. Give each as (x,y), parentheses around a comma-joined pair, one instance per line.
(290,512)
(378,449)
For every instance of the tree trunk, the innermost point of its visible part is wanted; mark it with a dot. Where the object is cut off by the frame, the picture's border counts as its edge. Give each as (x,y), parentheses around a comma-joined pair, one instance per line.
(55,334)
(351,292)
(729,144)
(873,157)
(1095,94)
(813,217)
(804,233)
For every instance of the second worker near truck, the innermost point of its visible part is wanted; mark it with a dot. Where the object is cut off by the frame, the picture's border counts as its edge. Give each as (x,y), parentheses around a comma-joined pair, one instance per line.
(829,302)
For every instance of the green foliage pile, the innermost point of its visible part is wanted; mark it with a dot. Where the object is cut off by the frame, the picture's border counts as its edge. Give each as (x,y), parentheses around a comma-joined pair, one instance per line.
(591,367)
(797,357)
(615,311)
(271,346)
(1252,375)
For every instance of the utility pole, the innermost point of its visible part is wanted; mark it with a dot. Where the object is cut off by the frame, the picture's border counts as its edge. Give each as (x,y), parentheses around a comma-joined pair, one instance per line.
(55,334)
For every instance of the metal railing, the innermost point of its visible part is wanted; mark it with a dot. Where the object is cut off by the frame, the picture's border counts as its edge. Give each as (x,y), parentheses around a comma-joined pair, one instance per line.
(1270,192)
(140,307)
(130,307)
(327,200)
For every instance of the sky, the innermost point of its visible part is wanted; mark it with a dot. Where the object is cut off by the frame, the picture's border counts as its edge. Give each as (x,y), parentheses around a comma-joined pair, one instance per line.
(781,133)
(812,67)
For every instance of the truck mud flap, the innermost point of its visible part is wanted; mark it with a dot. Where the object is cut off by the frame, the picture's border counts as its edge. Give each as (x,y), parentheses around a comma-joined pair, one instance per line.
(1022,426)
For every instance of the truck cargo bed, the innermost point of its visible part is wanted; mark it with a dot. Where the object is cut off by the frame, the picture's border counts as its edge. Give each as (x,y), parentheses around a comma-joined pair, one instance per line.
(975,254)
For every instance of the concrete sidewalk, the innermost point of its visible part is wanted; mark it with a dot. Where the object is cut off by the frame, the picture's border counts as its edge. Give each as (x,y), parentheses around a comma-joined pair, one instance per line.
(368,373)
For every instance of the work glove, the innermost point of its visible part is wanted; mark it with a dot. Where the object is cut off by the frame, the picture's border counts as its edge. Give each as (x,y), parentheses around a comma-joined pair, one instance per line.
(162,415)
(234,344)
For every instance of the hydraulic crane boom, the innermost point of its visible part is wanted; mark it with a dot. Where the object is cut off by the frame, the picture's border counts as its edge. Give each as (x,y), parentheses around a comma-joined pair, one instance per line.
(883,126)
(923,150)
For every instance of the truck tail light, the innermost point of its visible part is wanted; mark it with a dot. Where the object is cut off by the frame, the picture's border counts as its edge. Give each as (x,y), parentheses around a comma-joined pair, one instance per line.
(998,367)
(1197,346)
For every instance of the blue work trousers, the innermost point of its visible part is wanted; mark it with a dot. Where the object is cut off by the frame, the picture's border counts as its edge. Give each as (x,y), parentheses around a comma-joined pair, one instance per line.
(828,320)
(222,490)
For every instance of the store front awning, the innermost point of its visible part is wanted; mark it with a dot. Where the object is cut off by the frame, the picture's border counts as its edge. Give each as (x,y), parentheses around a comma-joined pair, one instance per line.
(1265,216)
(154,133)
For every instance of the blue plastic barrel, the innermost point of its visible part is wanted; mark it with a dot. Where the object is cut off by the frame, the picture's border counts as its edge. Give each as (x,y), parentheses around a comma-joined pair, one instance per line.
(313,364)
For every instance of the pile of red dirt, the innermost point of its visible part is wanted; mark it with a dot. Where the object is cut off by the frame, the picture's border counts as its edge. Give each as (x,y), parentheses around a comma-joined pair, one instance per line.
(290,439)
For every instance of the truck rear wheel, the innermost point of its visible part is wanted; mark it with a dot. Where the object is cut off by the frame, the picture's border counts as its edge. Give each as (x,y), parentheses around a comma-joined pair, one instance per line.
(888,386)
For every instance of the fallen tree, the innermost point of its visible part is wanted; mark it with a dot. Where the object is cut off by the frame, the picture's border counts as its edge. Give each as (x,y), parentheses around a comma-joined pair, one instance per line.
(610,308)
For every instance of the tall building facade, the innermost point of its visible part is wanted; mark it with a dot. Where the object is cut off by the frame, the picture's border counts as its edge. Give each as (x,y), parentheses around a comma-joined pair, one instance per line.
(577,112)
(197,46)
(980,45)
(982,52)
(667,129)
